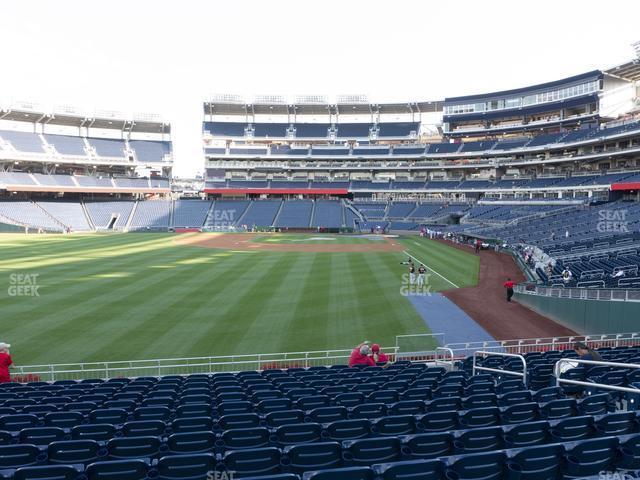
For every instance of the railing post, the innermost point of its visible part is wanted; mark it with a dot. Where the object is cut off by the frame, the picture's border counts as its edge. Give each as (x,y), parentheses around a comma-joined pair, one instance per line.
(53,374)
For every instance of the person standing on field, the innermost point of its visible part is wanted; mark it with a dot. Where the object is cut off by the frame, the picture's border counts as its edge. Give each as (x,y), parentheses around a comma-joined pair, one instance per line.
(421,271)
(509,286)
(412,274)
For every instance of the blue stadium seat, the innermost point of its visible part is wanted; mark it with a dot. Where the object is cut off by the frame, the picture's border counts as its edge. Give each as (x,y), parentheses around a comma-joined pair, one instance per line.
(275,419)
(407,407)
(194,410)
(244,438)
(15,423)
(41,435)
(152,413)
(526,434)
(5,438)
(100,432)
(561,408)
(46,472)
(348,473)
(570,429)
(409,469)
(312,456)
(394,425)
(121,448)
(415,394)
(297,433)
(191,442)
(118,470)
(428,445)
(257,461)
(139,428)
(547,394)
(620,423)
(536,462)
(372,450)
(315,401)
(242,420)
(74,451)
(629,452)
(14,456)
(596,404)
(369,410)
(478,466)
(439,421)
(590,457)
(444,404)
(272,405)
(328,414)
(115,416)
(480,417)
(348,429)
(478,440)
(481,400)
(186,467)
(351,399)
(523,412)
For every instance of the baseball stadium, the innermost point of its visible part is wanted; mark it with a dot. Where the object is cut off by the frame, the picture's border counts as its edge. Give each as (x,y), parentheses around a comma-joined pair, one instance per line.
(438,288)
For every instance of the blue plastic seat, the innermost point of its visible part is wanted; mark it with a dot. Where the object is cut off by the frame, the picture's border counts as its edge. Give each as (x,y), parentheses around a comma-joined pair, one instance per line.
(526,434)
(15,423)
(383,396)
(368,451)
(118,470)
(598,404)
(74,451)
(244,438)
(192,442)
(444,404)
(328,414)
(152,413)
(348,429)
(514,398)
(450,390)
(407,407)
(394,425)
(257,461)
(479,388)
(115,416)
(629,452)
(478,440)
(590,457)
(241,420)
(24,455)
(480,400)
(418,393)
(100,432)
(191,424)
(545,395)
(313,402)
(508,386)
(620,423)
(541,462)
(439,421)
(348,473)
(297,433)
(46,472)
(561,408)
(480,417)
(312,456)
(524,412)
(63,419)
(478,466)
(82,407)
(139,428)
(428,445)
(409,469)
(121,448)
(186,467)
(41,435)
(369,410)
(194,410)
(275,419)
(570,429)
(351,399)
(5,438)
(272,405)
(231,408)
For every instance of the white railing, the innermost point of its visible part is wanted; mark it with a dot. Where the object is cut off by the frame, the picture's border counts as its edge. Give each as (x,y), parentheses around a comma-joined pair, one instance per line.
(557,372)
(607,294)
(446,355)
(477,367)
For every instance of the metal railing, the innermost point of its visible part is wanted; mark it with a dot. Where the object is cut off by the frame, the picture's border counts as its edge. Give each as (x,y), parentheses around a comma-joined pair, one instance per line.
(608,294)
(445,355)
(522,374)
(557,371)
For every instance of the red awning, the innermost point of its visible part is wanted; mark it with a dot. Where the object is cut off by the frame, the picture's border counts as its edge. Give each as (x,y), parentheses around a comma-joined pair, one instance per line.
(626,186)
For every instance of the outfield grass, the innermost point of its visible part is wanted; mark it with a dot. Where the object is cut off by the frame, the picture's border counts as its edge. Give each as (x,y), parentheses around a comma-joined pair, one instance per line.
(139,296)
(327,239)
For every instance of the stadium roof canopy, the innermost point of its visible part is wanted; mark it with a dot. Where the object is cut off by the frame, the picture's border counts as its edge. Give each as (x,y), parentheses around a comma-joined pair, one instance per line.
(312,105)
(628,71)
(68,116)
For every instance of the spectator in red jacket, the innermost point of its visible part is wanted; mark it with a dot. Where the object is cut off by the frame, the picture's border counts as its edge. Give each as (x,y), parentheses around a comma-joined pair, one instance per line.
(509,286)
(5,362)
(361,355)
(378,355)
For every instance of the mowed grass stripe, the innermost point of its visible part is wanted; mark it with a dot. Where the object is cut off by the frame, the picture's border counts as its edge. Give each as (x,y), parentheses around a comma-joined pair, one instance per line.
(456,265)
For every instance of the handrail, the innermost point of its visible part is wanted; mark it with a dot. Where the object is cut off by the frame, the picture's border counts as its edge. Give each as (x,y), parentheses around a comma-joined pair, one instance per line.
(444,362)
(499,370)
(604,386)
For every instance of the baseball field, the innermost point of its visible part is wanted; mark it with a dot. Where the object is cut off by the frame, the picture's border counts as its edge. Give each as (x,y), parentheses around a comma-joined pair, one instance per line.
(112,297)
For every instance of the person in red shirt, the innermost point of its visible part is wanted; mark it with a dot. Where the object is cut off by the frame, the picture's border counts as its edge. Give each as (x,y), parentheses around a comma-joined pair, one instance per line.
(5,363)
(361,355)
(509,286)
(378,356)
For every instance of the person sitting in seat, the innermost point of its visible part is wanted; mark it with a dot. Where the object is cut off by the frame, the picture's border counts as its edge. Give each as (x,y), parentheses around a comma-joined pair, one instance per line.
(5,362)
(586,353)
(378,356)
(361,355)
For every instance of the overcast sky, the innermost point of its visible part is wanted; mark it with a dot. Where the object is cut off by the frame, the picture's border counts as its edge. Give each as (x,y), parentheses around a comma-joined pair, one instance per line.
(166,57)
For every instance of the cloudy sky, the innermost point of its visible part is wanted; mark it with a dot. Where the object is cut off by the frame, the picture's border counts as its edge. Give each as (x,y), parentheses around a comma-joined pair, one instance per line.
(167,56)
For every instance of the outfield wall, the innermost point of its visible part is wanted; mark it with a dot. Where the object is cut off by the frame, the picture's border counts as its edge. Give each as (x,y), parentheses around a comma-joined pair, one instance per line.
(584,316)
(10,228)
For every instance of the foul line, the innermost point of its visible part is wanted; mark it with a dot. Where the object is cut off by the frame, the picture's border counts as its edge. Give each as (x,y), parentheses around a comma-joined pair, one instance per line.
(429,268)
